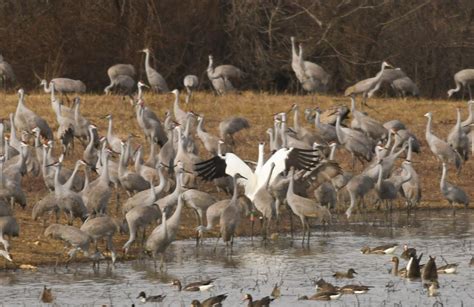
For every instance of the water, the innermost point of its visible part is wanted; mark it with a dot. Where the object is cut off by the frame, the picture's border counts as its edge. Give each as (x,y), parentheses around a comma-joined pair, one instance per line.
(254,269)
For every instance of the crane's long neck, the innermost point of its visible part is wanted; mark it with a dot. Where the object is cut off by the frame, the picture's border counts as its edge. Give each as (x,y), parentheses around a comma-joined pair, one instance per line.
(199,125)
(290,190)
(104,175)
(210,67)
(293,50)
(2,135)
(52,90)
(317,120)
(267,182)
(57,184)
(379,74)
(147,61)
(69,182)
(121,165)
(2,179)
(458,120)
(443,177)
(219,149)
(162,179)
(272,138)
(45,87)
(389,141)
(471,115)
(428,128)
(235,194)
(109,129)
(174,219)
(410,148)
(380,177)
(353,105)
(180,142)
(90,145)
(332,153)
(13,137)
(138,159)
(176,104)
(339,132)
(295,118)
(76,112)
(187,130)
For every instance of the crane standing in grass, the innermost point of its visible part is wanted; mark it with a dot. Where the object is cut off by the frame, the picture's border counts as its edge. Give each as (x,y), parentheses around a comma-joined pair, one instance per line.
(463,78)
(156,80)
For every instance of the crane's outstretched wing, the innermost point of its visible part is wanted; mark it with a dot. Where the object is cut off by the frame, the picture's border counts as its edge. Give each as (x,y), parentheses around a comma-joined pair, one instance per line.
(284,159)
(218,167)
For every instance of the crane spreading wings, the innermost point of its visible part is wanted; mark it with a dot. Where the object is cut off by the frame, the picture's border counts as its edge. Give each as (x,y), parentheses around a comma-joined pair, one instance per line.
(230,164)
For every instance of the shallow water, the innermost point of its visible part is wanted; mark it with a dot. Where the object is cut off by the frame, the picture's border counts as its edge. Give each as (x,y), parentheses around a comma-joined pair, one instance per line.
(254,268)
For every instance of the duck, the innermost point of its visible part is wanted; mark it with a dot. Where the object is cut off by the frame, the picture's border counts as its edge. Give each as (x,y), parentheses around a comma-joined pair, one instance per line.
(432,288)
(263,302)
(413,267)
(395,270)
(355,289)
(407,252)
(47,295)
(382,249)
(214,301)
(471,263)
(350,274)
(449,268)
(430,272)
(152,298)
(322,296)
(194,286)
(324,286)
(276,292)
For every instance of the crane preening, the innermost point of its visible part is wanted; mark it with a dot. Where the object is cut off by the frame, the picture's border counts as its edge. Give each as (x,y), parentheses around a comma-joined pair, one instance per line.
(230,164)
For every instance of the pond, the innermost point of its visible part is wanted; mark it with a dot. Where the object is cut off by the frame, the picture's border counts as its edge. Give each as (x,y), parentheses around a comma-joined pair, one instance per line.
(255,268)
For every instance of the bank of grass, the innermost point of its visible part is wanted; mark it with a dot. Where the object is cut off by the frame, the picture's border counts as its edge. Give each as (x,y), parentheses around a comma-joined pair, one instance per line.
(31,247)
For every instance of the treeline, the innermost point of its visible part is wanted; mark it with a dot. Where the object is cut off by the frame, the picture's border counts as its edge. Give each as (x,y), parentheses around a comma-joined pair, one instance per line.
(430,40)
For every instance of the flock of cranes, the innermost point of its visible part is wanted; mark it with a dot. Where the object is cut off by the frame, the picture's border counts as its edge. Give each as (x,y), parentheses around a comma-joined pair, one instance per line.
(171,179)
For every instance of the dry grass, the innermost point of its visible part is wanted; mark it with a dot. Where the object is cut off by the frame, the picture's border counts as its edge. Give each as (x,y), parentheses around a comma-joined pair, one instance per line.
(31,247)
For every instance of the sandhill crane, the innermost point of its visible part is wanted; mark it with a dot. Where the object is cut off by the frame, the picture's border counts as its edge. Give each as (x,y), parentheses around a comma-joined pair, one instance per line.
(458,139)
(150,124)
(48,204)
(139,218)
(190,82)
(401,139)
(121,84)
(121,70)
(149,173)
(230,164)
(130,181)
(11,190)
(5,148)
(454,194)
(65,131)
(81,125)
(97,195)
(315,78)
(410,190)
(465,78)
(295,62)
(5,209)
(442,151)
(231,125)
(302,134)
(69,202)
(365,86)
(305,208)
(75,237)
(359,145)
(91,154)
(188,159)
(6,73)
(224,72)
(405,86)
(358,186)
(113,140)
(164,234)
(179,114)
(327,132)
(64,86)
(8,227)
(210,141)
(156,80)
(367,124)
(25,119)
(264,202)
(102,227)
(387,189)
(388,76)
(199,201)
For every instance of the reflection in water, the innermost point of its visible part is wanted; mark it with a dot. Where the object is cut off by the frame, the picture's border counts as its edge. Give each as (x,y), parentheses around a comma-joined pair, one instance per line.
(255,268)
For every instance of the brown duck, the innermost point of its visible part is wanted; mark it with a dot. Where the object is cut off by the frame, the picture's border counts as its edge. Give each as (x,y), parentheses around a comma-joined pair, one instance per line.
(323,296)
(349,274)
(430,272)
(381,250)
(214,301)
(407,252)
(194,286)
(395,271)
(263,302)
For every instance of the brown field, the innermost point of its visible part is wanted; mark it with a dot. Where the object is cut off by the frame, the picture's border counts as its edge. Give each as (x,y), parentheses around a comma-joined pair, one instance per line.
(33,248)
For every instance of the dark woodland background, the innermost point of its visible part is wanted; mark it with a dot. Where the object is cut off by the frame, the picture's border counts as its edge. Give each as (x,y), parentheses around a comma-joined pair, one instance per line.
(430,40)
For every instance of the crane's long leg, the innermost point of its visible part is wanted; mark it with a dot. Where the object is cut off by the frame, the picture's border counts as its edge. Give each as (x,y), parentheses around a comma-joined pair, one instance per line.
(470,93)
(304,228)
(309,231)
